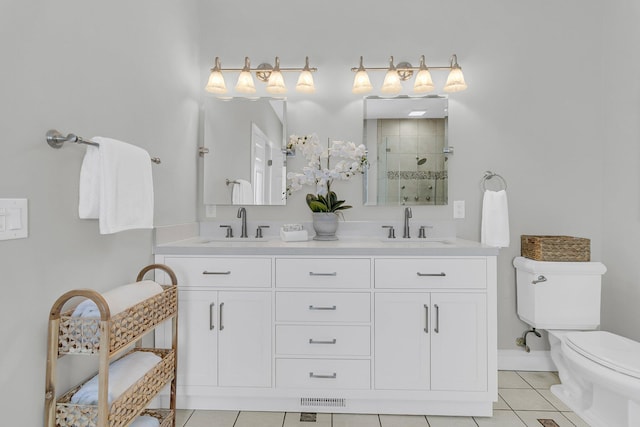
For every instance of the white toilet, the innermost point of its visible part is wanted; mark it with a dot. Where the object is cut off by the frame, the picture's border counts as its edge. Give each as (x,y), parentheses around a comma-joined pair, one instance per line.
(599,371)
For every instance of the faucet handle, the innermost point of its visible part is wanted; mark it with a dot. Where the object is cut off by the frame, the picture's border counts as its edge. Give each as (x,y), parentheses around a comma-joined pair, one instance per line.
(229,231)
(259,231)
(392,231)
(422,234)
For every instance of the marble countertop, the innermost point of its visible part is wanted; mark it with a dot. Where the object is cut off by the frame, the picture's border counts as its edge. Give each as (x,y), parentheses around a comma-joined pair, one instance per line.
(352,246)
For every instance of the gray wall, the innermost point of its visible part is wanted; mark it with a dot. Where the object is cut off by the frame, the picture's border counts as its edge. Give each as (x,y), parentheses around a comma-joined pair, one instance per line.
(533,111)
(620,149)
(127,70)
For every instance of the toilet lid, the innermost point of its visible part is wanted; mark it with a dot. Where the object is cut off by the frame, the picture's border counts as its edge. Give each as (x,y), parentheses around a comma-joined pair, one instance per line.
(610,350)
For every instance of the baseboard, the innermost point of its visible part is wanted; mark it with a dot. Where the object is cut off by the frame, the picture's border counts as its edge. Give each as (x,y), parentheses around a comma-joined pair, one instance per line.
(520,360)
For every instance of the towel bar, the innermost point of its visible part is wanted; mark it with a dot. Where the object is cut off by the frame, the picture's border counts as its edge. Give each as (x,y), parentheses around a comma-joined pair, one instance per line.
(55,139)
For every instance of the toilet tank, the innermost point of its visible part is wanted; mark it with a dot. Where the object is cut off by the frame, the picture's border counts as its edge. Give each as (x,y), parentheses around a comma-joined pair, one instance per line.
(559,295)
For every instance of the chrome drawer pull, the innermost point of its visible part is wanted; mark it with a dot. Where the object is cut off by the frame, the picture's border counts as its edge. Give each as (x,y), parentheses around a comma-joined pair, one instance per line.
(437,328)
(313,307)
(311,273)
(312,341)
(432,274)
(540,279)
(221,325)
(312,375)
(211,325)
(426,319)
(217,272)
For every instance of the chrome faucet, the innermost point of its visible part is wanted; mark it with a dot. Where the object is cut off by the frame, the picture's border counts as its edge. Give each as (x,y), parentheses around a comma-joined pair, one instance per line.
(407,215)
(242,213)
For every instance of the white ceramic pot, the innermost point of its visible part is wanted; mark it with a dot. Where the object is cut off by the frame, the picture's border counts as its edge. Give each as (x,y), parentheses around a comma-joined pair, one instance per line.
(325,225)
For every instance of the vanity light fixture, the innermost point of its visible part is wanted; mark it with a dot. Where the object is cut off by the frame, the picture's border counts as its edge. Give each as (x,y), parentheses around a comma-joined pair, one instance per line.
(404,71)
(272,75)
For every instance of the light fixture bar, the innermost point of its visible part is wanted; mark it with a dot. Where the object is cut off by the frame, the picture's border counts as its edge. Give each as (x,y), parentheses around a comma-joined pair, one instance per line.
(404,71)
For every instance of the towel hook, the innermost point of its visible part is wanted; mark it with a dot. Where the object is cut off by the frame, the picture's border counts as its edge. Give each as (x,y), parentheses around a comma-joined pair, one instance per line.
(489,175)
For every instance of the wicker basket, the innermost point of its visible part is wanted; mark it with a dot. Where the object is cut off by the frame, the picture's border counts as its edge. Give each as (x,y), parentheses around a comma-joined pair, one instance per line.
(555,248)
(82,335)
(130,403)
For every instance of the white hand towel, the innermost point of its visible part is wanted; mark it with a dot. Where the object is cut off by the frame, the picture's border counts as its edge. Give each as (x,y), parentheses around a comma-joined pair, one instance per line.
(89,200)
(119,299)
(123,373)
(495,219)
(116,186)
(242,193)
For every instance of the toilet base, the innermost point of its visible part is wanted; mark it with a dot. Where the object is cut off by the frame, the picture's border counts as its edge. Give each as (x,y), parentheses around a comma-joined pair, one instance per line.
(600,396)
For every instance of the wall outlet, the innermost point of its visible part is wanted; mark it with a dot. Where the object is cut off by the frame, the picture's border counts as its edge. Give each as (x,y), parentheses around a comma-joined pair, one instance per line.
(458,209)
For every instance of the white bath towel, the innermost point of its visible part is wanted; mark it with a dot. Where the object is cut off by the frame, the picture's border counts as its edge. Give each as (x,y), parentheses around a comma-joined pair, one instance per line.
(242,193)
(495,219)
(120,298)
(123,373)
(116,186)
(145,421)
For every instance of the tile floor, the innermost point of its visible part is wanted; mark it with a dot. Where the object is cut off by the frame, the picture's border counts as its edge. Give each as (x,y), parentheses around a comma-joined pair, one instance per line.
(524,401)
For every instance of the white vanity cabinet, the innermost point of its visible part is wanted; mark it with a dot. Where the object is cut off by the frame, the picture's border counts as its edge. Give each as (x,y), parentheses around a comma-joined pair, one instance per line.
(329,327)
(226,333)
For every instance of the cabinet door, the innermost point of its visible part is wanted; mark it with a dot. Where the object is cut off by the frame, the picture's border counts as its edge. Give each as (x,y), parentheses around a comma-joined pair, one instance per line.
(459,342)
(244,338)
(197,338)
(402,341)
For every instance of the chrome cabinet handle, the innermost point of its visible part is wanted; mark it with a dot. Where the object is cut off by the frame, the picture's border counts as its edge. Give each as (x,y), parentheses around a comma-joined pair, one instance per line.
(313,307)
(211,325)
(311,273)
(217,272)
(437,328)
(431,274)
(220,319)
(540,279)
(312,341)
(312,375)
(426,319)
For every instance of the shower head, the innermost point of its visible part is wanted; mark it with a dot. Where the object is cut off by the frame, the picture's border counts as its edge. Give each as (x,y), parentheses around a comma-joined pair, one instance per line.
(421,161)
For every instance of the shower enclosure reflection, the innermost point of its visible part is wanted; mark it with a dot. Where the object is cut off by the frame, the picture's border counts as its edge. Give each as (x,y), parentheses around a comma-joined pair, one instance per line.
(406,139)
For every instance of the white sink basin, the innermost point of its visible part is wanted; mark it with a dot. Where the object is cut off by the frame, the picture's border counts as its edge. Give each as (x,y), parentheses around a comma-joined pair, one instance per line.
(236,240)
(416,241)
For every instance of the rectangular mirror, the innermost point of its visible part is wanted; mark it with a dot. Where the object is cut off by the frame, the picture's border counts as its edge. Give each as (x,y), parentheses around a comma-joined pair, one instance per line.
(406,139)
(246,163)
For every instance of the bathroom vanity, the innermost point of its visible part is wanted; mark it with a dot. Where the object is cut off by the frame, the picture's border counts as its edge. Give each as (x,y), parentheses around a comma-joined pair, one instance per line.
(355,325)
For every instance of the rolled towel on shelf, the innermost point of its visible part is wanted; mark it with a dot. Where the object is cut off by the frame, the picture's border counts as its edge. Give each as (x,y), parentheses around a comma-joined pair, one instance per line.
(123,373)
(120,298)
(145,421)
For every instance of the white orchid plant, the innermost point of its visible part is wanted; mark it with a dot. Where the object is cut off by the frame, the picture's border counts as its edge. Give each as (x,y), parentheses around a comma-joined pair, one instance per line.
(349,160)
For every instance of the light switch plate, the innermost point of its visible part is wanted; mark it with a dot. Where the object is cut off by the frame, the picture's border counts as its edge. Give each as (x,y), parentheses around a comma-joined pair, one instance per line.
(458,209)
(14,219)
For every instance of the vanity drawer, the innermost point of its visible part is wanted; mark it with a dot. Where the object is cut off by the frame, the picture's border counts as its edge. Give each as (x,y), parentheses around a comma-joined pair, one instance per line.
(322,373)
(324,340)
(213,271)
(323,307)
(323,272)
(464,273)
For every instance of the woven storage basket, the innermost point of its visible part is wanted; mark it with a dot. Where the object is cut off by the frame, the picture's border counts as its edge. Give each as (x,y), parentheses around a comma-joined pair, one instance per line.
(555,248)
(126,406)
(81,334)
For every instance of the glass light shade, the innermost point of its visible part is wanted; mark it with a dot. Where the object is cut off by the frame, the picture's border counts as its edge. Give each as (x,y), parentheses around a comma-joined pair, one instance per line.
(216,83)
(424,82)
(455,81)
(391,82)
(305,82)
(245,83)
(276,82)
(361,83)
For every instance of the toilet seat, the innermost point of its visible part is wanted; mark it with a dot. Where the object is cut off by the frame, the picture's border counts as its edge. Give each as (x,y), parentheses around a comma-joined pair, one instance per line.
(612,351)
